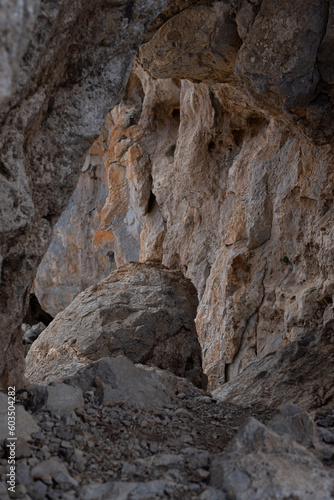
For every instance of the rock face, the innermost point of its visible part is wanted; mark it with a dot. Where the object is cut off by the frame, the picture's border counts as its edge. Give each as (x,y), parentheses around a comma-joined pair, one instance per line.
(302,373)
(259,463)
(75,61)
(77,258)
(220,164)
(142,311)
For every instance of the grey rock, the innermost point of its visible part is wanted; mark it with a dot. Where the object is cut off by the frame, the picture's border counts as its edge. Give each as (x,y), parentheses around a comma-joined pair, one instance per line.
(54,470)
(143,311)
(22,448)
(212,494)
(4,491)
(16,18)
(278,377)
(258,463)
(64,398)
(23,473)
(273,82)
(32,333)
(326,435)
(25,425)
(39,490)
(292,421)
(123,380)
(126,491)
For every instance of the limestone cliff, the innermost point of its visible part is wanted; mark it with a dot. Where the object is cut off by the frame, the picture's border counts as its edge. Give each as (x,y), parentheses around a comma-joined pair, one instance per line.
(64,65)
(220,164)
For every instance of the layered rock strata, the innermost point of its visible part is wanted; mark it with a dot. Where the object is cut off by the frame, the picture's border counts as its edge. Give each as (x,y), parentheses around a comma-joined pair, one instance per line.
(143,311)
(65,65)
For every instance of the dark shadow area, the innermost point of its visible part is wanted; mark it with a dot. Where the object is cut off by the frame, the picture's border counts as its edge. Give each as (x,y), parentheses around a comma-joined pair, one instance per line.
(35,313)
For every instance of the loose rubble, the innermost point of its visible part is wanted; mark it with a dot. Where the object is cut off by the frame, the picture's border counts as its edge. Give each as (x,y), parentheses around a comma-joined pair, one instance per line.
(169,441)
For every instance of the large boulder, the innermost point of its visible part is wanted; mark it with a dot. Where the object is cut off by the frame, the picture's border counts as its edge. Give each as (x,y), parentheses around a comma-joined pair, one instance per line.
(143,311)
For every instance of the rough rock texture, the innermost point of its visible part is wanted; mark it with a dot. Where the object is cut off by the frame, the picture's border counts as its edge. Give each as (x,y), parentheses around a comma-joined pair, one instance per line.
(16,25)
(77,258)
(136,432)
(143,311)
(219,162)
(75,61)
(231,180)
(25,424)
(259,463)
(300,373)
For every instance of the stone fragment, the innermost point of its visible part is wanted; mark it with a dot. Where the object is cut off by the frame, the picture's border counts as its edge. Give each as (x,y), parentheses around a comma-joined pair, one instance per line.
(31,333)
(290,420)
(55,470)
(143,311)
(25,425)
(122,379)
(124,490)
(64,398)
(259,463)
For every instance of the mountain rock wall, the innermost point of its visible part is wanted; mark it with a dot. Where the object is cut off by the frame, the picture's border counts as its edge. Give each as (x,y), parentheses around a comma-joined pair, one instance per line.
(64,65)
(217,162)
(220,164)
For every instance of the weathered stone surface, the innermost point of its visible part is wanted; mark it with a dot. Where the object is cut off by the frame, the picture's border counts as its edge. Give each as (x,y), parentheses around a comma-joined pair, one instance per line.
(63,398)
(201,43)
(76,258)
(118,379)
(277,61)
(221,166)
(24,423)
(301,373)
(224,183)
(143,311)
(16,24)
(121,490)
(259,463)
(54,470)
(73,71)
(291,420)
(31,333)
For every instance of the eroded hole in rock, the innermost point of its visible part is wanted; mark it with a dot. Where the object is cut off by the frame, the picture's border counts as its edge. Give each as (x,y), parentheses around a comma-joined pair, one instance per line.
(151,202)
(238,136)
(211,146)
(176,114)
